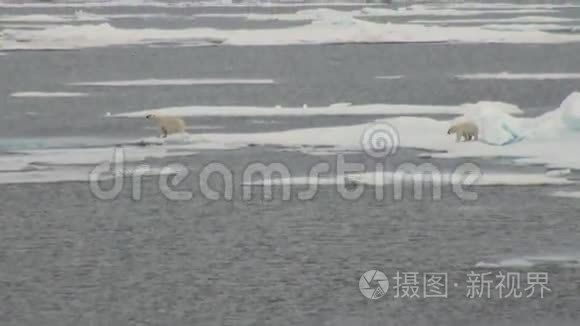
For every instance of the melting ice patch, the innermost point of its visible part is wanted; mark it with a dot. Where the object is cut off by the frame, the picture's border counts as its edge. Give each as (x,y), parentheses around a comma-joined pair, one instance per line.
(516,76)
(47,94)
(177,82)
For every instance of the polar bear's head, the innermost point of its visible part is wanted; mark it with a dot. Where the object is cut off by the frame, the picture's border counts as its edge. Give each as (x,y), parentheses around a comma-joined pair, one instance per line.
(150,116)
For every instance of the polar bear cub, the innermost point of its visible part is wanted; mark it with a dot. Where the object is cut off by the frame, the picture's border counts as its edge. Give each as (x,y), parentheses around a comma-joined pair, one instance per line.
(167,124)
(466,130)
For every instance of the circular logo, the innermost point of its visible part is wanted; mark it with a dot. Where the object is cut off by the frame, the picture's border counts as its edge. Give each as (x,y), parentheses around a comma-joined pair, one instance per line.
(373,284)
(380,140)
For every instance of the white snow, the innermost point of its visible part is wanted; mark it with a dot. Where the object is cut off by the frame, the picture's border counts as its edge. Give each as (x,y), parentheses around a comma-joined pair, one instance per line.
(177,82)
(334,109)
(47,94)
(520,76)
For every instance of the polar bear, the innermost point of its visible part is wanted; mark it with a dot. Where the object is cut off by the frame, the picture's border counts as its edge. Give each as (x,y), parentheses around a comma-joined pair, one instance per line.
(167,124)
(466,130)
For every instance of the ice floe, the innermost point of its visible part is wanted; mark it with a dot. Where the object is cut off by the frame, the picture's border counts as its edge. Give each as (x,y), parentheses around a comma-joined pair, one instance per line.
(481,178)
(177,82)
(175,4)
(563,261)
(520,19)
(425,10)
(493,6)
(390,77)
(334,109)
(520,76)
(75,164)
(566,194)
(47,94)
(445,178)
(329,29)
(79,16)
(550,139)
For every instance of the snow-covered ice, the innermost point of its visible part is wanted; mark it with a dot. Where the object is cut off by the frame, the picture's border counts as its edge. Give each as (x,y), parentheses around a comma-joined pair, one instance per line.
(569,261)
(328,29)
(520,76)
(47,94)
(334,109)
(550,139)
(444,178)
(177,82)
(520,19)
(566,194)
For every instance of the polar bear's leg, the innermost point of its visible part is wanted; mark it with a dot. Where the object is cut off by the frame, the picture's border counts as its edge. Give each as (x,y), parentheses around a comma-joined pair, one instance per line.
(163,132)
(457,137)
(465,135)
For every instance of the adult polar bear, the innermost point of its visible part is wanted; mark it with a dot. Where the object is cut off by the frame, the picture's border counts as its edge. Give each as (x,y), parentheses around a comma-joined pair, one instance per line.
(466,130)
(168,124)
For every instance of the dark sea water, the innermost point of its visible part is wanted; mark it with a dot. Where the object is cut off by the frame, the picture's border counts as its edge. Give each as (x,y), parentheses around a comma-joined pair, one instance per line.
(68,258)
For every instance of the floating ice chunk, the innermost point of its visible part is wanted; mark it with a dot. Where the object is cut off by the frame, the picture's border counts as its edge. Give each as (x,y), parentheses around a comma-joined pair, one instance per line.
(515,76)
(328,30)
(388,178)
(422,10)
(295,181)
(558,172)
(48,94)
(79,16)
(340,105)
(468,178)
(390,77)
(520,19)
(570,111)
(177,82)
(336,109)
(566,194)
(506,263)
(567,261)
